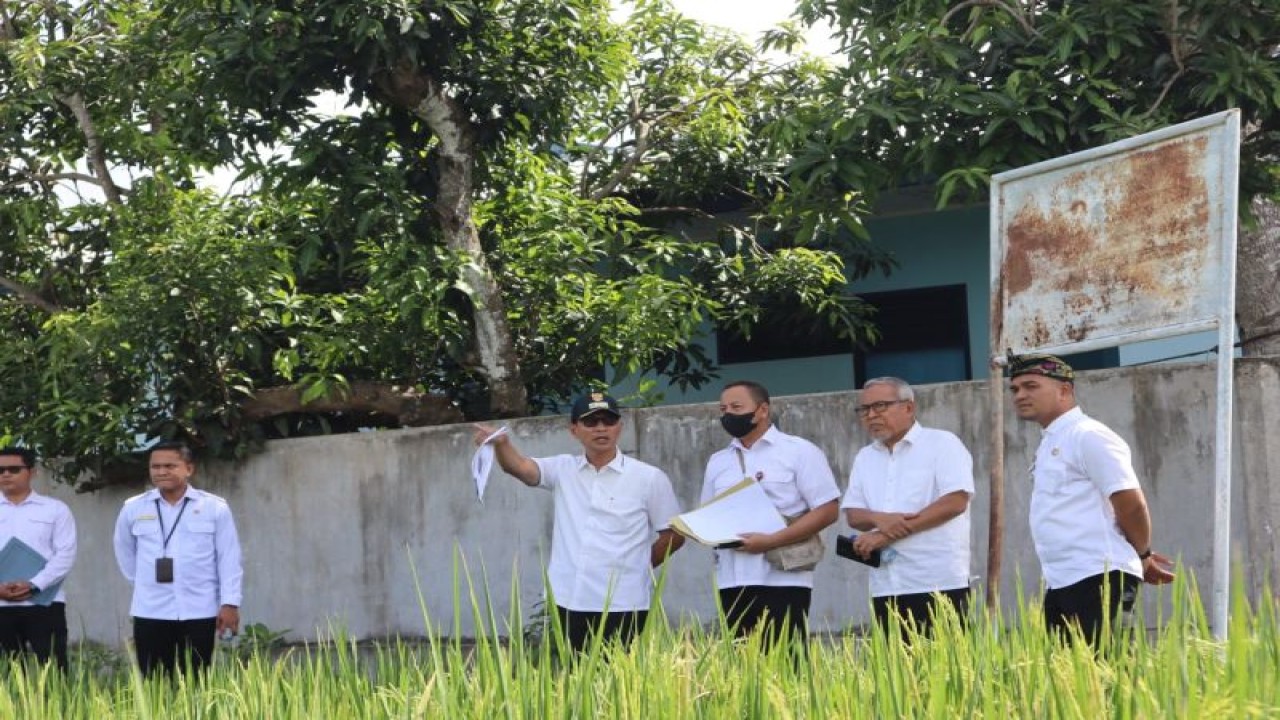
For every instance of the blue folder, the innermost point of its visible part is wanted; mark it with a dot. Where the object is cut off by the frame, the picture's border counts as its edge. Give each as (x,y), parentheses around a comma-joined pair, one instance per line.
(20,561)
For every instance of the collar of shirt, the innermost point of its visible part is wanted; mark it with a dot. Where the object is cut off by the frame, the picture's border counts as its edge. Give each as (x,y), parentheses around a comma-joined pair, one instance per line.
(616,464)
(910,438)
(769,437)
(1064,421)
(154,494)
(34,498)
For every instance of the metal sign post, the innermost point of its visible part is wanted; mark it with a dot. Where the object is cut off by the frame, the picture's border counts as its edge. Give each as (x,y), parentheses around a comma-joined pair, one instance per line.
(1127,242)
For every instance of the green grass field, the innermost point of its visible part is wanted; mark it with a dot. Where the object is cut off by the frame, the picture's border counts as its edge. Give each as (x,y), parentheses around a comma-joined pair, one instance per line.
(994,668)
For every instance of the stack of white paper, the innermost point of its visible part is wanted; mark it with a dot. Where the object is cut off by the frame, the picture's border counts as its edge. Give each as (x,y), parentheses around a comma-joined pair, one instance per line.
(743,508)
(482,462)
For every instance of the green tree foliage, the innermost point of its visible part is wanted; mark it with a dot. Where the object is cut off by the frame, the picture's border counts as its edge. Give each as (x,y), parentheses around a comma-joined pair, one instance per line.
(517,195)
(952,92)
(958,90)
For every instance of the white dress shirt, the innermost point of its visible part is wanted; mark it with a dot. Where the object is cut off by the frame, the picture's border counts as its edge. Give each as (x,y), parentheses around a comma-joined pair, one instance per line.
(794,474)
(923,466)
(204,548)
(1079,465)
(45,524)
(606,521)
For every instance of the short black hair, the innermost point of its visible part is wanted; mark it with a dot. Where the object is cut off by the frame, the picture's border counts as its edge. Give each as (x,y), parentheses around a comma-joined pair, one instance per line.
(28,456)
(755,389)
(183,449)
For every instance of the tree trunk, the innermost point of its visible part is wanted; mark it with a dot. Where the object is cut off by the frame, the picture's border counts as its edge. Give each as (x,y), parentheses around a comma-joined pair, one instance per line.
(455,157)
(1258,281)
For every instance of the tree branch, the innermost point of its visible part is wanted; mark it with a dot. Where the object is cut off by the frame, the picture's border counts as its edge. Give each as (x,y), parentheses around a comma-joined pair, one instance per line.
(633,116)
(7,31)
(29,178)
(677,210)
(28,296)
(407,405)
(97,154)
(1175,52)
(643,130)
(645,121)
(1013,11)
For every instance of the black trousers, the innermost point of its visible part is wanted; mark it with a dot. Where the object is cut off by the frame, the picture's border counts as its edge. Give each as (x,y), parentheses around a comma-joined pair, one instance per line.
(1089,603)
(579,625)
(40,630)
(774,608)
(167,645)
(917,608)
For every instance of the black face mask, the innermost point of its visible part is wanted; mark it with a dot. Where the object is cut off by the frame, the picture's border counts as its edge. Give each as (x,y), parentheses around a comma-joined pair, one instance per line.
(738,425)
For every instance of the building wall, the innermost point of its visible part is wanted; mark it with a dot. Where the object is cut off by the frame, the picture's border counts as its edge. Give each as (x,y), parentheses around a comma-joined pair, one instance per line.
(932,248)
(381,534)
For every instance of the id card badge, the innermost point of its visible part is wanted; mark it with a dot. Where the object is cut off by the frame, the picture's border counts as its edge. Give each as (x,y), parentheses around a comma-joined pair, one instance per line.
(164,569)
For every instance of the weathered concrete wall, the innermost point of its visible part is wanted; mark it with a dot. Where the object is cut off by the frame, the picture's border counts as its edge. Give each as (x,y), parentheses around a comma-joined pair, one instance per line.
(361,532)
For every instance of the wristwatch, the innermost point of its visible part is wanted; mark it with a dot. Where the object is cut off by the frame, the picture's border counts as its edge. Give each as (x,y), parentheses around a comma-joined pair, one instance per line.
(33,589)
(1146,554)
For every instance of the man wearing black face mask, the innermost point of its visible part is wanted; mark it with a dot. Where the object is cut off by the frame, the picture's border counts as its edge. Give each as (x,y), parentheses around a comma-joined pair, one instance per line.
(797,477)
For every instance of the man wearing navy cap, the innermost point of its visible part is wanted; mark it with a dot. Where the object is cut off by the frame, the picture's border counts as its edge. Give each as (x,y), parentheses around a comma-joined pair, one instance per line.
(611,523)
(1089,518)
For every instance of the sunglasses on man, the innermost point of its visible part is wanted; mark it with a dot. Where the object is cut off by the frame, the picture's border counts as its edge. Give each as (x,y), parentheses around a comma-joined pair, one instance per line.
(604,419)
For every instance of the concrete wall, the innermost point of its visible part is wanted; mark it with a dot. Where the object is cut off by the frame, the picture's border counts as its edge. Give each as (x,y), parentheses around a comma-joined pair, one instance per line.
(361,532)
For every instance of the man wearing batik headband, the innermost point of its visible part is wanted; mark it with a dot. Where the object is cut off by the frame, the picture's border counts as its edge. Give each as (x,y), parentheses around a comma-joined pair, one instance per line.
(611,526)
(1089,518)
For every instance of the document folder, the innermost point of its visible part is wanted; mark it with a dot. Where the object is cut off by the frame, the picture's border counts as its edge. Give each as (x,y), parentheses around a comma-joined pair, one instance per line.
(19,561)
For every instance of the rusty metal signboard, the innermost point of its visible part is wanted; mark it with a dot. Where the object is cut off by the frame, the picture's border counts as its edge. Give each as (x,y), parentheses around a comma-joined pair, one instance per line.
(1116,244)
(1127,242)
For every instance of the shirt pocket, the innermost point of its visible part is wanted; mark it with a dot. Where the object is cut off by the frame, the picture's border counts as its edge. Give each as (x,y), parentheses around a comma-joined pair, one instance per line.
(782,491)
(198,535)
(200,528)
(911,495)
(1053,476)
(617,513)
(145,528)
(725,480)
(40,525)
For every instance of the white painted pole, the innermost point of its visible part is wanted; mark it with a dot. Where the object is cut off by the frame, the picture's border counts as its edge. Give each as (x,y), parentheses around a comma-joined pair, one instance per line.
(1226,374)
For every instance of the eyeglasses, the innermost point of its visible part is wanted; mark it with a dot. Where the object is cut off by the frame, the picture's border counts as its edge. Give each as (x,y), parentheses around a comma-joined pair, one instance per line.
(12,469)
(597,420)
(876,407)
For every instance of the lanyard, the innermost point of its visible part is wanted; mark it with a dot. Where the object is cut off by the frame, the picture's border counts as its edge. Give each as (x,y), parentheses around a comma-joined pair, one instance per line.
(164,548)
(742,463)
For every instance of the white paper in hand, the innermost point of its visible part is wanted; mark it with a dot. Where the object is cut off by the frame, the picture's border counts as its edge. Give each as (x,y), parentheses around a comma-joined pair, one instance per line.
(482,462)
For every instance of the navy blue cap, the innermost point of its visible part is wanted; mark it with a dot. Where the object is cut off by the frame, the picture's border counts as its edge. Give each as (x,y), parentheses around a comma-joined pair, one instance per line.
(592,403)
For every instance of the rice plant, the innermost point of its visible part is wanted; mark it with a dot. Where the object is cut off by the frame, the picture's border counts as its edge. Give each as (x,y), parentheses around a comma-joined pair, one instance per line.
(985,666)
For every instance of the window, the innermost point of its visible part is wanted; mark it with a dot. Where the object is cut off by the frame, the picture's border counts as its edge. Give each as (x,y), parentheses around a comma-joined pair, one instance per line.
(924,336)
(785,331)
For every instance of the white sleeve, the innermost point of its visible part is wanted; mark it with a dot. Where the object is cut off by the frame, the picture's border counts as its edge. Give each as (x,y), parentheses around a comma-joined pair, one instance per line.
(125,546)
(954,470)
(1107,461)
(814,479)
(855,496)
(550,470)
(663,504)
(227,546)
(58,565)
